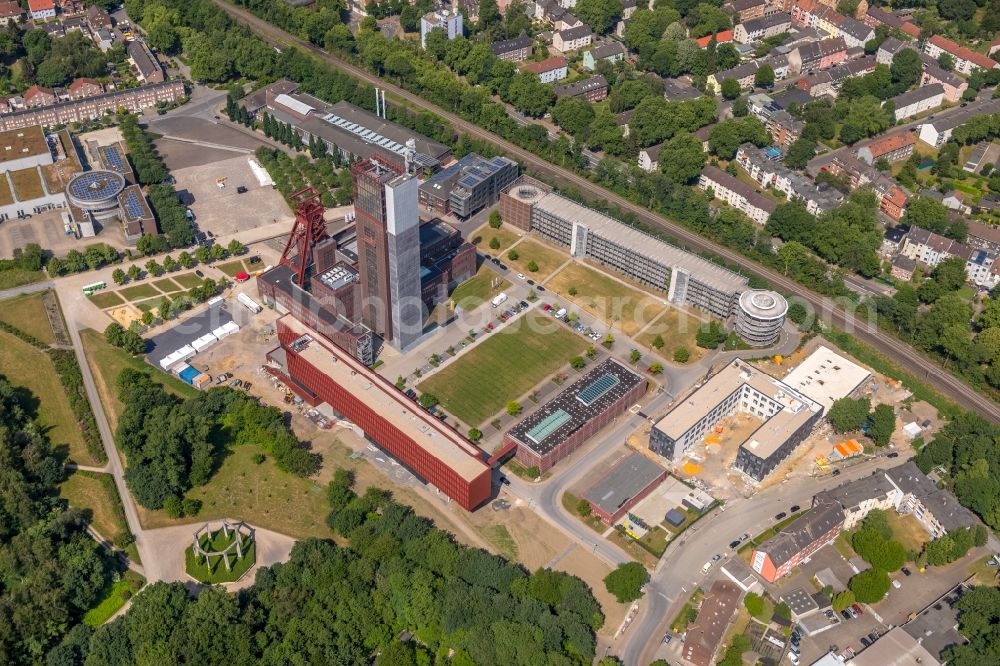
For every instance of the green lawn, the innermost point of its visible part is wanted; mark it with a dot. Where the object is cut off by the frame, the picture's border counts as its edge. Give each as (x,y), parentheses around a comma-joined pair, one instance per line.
(107,362)
(503,367)
(31,368)
(262,494)
(215,570)
(96,493)
(106,299)
(908,531)
(678,329)
(17,277)
(482,236)
(547,258)
(151,304)
(625,307)
(476,290)
(138,292)
(114,597)
(27,313)
(166,285)
(231,268)
(187,280)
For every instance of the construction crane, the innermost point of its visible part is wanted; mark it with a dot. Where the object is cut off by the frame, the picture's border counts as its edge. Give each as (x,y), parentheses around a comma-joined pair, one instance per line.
(309,229)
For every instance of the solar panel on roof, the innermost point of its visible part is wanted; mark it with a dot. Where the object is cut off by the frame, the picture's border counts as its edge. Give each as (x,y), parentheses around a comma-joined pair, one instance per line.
(133,206)
(601,385)
(96,185)
(548,425)
(113,158)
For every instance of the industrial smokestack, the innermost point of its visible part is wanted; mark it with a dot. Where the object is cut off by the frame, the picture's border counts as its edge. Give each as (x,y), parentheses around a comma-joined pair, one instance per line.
(383,103)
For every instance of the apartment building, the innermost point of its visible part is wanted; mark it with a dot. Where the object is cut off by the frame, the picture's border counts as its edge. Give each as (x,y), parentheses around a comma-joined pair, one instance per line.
(447,19)
(966,60)
(746,10)
(930,249)
(768,172)
(555,68)
(573,39)
(754,30)
(820,54)
(914,102)
(592,90)
(737,194)
(954,86)
(785,129)
(512,50)
(936,132)
(893,147)
(610,51)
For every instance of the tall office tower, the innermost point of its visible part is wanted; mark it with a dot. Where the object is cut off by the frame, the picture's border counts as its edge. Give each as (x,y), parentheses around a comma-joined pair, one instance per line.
(388,230)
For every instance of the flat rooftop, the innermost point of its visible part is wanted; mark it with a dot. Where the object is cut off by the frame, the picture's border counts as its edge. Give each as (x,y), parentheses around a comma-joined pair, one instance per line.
(935,626)
(896,648)
(640,242)
(826,376)
(794,408)
(427,432)
(26,142)
(585,399)
(625,480)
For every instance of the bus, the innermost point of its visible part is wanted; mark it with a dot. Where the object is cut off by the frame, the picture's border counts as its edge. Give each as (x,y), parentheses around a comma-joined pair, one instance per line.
(91,288)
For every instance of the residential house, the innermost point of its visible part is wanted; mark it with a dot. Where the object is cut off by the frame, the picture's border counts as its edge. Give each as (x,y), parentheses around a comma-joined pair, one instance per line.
(622,120)
(892,198)
(920,100)
(549,70)
(649,158)
(936,132)
(876,16)
(147,68)
(903,268)
(103,38)
(888,49)
(785,129)
(592,90)
(892,147)
(573,39)
(828,82)
(745,10)
(994,46)
(628,8)
(745,72)
(821,54)
(447,19)
(705,636)
(512,50)
(767,171)
(722,37)
(677,90)
(910,28)
(892,240)
(855,33)
(610,51)
(953,84)
(983,237)
(84,87)
(966,60)
(776,557)
(39,10)
(930,249)
(567,21)
(10,10)
(39,96)
(737,194)
(857,173)
(97,18)
(754,30)
(704,134)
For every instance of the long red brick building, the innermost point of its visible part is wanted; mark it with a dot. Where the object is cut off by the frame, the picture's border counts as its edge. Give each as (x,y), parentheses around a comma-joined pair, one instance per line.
(319,371)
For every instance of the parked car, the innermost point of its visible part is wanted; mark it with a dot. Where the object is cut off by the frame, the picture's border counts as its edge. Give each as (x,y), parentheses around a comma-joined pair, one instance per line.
(716,557)
(781,516)
(531,282)
(247,386)
(235,383)
(241,189)
(520,276)
(541,288)
(873,636)
(858,609)
(836,472)
(504,480)
(893,454)
(847,615)
(794,658)
(546,307)
(523,304)
(667,637)
(734,544)
(906,572)
(896,584)
(795,507)
(865,641)
(199,274)
(744,536)
(503,266)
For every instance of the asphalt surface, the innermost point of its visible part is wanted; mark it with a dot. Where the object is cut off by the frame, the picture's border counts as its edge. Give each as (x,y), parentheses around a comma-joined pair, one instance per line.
(187,331)
(902,354)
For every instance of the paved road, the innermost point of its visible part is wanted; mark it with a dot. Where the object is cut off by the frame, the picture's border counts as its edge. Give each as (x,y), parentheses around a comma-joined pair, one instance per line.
(26,289)
(905,356)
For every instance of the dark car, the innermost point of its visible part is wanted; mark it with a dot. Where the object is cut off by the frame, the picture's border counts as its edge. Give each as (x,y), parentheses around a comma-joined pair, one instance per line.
(410,393)
(780,516)
(502,266)
(847,616)
(836,472)
(873,636)
(441,416)
(241,190)
(495,260)
(795,507)
(865,641)
(906,572)
(504,480)
(199,274)
(531,282)
(541,288)
(894,454)
(734,544)
(247,386)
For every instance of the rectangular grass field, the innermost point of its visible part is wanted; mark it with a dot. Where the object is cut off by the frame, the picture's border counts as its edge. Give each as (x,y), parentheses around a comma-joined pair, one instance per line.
(106,299)
(138,292)
(24,365)
(166,285)
(546,257)
(476,290)
(614,302)
(187,280)
(27,313)
(231,268)
(503,367)
(91,491)
(678,329)
(482,236)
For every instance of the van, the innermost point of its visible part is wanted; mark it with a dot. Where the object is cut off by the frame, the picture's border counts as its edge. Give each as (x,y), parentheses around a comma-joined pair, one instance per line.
(708,565)
(561,313)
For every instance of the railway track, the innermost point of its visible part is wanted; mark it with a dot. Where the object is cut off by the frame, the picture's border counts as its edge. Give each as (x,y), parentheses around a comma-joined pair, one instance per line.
(906,357)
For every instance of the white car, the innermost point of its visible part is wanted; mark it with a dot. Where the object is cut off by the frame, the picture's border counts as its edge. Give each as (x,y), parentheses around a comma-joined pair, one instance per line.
(794,658)
(520,275)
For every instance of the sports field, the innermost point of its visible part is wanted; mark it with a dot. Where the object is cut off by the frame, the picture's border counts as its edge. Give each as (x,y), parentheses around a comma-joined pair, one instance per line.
(503,367)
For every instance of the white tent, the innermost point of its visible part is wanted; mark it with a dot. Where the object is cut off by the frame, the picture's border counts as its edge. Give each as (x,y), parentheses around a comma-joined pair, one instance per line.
(204,342)
(226,330)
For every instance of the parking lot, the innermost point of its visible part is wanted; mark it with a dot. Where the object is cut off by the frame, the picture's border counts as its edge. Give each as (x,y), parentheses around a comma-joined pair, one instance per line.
(46,229)
(191,328)
(223,210)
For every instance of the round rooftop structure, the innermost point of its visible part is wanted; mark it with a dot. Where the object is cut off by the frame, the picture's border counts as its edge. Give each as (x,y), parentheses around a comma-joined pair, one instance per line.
(96,191)
(760,316)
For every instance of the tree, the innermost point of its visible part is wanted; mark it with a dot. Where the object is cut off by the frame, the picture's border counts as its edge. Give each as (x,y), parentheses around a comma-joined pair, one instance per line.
(656,368)
(513,255)
(532,266)
(848,414)
(513,408)
(134,272)
(741,107)
(726,137)
(573,114)
(153,268)
(842,600)
(754,603)
(583,507)
(681,355)
(634,356)
(764,76)
(932,215)
(169,264)
(878,521)
(946,61)
(577,362)
(185,260)
(600,15)
(114,334)
(626,581)
(797,313)
(428,400)
(658,342)
(883,554)
(235,248)
(685,159)
(118,275)
(731,88)
(905,70)
(870,586)
(800,152)
(494,243)
(711,335)
(495,221)
(475,434)
(882,425)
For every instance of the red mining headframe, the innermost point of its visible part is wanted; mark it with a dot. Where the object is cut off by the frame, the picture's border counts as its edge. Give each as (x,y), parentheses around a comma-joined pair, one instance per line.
(309,229)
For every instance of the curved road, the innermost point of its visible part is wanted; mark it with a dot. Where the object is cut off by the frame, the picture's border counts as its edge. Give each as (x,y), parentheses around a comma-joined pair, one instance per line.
(902,354)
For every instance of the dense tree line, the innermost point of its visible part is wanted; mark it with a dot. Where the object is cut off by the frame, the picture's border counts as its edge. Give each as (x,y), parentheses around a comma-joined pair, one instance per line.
(51,61)
(52,572)
(349,605)
(173,445)
(979,621)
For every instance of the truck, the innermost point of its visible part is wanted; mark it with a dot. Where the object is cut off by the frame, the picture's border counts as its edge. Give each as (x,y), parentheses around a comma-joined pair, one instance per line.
(499,299)
(250,304)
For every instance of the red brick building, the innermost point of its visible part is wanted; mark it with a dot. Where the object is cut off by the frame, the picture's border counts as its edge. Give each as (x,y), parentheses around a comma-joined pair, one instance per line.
(428,447)
(84,87)
(39,96)
(777,556)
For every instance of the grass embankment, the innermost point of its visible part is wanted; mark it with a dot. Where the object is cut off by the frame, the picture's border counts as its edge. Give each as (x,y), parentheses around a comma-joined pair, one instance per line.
(114,597)
(503,367)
